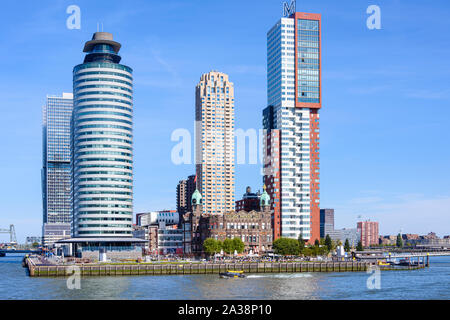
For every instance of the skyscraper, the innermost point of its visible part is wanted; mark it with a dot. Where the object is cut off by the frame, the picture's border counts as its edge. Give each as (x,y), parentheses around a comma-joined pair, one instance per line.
(185,189)
(214,127)
(57,113)
(102,142)
(291,161)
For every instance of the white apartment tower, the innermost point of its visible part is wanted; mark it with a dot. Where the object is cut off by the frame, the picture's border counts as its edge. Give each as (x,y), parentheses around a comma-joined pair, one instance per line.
(292,122)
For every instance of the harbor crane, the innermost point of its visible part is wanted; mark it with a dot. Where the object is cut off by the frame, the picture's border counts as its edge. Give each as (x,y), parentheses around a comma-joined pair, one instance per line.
(12,233)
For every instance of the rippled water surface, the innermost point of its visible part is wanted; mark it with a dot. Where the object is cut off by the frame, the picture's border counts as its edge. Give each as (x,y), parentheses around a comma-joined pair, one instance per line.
(429,283)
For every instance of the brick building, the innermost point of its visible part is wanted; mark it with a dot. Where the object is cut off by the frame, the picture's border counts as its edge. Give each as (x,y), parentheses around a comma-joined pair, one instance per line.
(369,232)
(253,228)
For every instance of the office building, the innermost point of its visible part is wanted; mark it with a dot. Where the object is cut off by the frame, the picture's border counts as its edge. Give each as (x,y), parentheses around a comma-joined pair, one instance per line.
(57,113)
(102,142)
(369,232)
(326,222)
(185,189)
(291,121)
(214,127)
(353,235)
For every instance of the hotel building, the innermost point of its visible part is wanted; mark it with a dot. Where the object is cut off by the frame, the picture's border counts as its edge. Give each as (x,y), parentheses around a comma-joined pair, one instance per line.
(291,161)
(57,113)
(214,127)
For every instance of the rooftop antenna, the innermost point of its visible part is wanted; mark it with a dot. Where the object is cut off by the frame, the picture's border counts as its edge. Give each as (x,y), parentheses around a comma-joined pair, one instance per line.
(97,26)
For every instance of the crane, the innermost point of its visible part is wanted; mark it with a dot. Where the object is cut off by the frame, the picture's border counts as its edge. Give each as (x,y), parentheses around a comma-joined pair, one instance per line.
(12,233)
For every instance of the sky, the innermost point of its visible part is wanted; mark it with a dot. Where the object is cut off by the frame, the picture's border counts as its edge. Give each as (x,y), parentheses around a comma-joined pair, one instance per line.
(385,114)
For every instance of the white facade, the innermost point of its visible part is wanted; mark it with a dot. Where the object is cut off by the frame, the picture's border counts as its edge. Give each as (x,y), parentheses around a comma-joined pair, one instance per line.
(102,146)
(294,126)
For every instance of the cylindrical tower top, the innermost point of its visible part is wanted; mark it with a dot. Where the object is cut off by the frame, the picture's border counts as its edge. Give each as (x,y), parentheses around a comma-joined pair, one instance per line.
(102,47)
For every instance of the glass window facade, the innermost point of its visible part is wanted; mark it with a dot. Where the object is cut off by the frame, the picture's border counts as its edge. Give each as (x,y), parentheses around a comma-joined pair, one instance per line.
(308,61)
(102,176)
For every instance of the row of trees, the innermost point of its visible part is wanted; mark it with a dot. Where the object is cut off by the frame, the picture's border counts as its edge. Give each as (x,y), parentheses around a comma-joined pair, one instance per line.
(212,246)
(288,246)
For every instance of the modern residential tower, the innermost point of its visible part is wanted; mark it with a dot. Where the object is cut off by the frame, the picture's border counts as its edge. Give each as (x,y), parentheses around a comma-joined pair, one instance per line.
(185,189)
(291,161)
(214,127)
(57,113)
(102,142)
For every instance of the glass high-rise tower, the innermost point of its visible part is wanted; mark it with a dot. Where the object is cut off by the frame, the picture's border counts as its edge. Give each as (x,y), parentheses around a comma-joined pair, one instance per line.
(292,123)
(102,142)
(56,203)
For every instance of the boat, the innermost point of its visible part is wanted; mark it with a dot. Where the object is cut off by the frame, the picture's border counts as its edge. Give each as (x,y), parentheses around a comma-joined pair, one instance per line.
(383,263)
(232,274)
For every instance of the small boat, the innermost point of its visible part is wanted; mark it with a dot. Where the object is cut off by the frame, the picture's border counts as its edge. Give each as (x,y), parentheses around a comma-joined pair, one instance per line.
(232,274)
(383,263)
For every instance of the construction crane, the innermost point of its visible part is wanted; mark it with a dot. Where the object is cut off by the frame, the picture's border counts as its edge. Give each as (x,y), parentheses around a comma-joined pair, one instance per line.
(12,234)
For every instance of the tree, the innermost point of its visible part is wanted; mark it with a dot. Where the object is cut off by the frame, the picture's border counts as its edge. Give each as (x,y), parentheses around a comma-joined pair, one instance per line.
(301,243)
(228,246)
(238,245)
(35,244)
(347,246)
(317,243)
(286,246)
(211,246)
(399,241)
(328,242)
(359,247)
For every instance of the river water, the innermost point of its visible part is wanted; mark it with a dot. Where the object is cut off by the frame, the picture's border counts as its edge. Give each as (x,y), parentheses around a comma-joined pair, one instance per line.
(428,283)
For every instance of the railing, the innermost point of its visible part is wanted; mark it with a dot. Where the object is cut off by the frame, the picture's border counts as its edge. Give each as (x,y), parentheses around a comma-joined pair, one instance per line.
(198,268)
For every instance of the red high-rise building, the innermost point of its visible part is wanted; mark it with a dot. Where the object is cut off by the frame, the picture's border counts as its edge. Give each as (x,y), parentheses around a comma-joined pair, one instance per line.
(369,232)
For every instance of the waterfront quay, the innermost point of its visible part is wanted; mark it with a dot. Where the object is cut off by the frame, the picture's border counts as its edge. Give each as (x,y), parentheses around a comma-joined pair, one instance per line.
(38,269)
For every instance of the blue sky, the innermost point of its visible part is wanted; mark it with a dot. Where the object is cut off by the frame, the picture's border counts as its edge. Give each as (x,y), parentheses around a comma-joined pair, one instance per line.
(384,123)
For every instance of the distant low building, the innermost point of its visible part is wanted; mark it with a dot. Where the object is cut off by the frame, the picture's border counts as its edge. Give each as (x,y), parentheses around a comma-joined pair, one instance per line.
(160,229)
(154,217)
(32,240)
(352,235)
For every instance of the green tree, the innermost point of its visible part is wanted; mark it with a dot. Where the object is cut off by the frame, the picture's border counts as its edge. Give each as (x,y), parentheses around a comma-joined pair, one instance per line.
(35,244)
(347,246)
(211,246)
(301,243)
(399,241)
(328,242)
(238,245)
(286,246)
(228,246)
(359,247)
(317,243)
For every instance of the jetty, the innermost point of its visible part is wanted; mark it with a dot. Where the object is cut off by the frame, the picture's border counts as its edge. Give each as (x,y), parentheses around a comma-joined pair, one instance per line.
(37,268)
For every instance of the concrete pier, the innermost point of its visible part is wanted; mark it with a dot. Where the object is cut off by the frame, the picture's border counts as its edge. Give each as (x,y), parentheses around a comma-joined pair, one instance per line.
(195,268)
